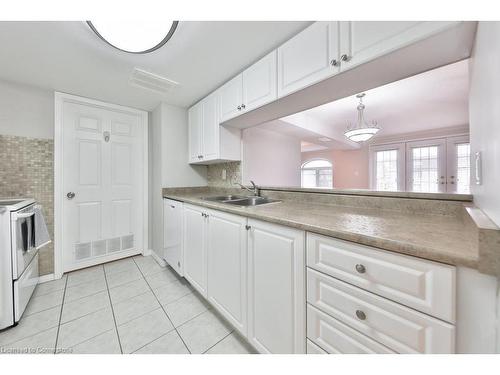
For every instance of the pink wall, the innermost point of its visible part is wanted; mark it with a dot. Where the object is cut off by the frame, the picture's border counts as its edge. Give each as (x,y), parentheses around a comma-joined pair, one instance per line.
(350,167)
(270,158)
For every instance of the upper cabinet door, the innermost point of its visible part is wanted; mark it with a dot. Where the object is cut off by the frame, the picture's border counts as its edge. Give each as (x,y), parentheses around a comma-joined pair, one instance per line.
(309,57)
(210,126)
(259,82)
(195,132)
(362,41)
(231,98)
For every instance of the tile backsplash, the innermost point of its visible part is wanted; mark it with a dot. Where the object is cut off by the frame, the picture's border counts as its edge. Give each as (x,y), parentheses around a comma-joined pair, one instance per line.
(27,170)
(233,174)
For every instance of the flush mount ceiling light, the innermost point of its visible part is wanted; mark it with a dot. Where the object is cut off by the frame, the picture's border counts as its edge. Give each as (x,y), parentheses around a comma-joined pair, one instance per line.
(134,36)
(362,131)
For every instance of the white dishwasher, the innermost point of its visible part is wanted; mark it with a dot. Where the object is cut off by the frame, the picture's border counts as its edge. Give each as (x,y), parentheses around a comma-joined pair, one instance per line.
(172,234)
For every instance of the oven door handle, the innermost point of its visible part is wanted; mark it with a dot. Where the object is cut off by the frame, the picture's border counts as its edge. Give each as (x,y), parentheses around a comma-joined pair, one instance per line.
(24,216)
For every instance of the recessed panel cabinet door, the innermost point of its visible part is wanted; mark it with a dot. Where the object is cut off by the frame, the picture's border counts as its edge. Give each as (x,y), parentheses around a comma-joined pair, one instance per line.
(362,41)
(276,290)
(230,98)
(259,82)
(195,118)
(227,267)
(172,234)
(309,57)
(195,255)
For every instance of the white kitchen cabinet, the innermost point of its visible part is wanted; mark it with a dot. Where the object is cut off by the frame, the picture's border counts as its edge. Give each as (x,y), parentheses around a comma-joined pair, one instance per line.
(276,288)
(172,234)
(230,98)
(195,123)
(309,57)
(227,266)
(195,248)
(362,41)
(260,83)
(208,141)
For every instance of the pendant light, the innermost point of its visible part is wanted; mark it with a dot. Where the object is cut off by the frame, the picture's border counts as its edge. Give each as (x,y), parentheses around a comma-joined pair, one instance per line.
(363,131)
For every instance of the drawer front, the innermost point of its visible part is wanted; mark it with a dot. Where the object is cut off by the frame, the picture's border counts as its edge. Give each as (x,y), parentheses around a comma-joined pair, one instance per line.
(24,288)
(393,325)
(423,285)
(312,348)
(337,338)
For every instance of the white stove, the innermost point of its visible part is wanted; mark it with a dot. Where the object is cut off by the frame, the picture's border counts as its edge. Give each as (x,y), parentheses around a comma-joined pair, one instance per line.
(18,258)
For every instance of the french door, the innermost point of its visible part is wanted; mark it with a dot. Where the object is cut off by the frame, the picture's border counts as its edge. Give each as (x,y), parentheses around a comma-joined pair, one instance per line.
(439,165)
(102,160)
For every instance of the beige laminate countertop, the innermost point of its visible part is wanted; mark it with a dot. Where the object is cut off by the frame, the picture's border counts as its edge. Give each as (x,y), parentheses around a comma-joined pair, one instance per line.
(443,238)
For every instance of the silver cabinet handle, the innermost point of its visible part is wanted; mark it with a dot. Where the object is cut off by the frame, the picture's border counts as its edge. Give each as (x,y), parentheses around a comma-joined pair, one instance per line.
(243,106)
(345,57)
(360,268)
(248,227)
(334,62)
(172,206)
(239,108)
(70,195)
(360,315)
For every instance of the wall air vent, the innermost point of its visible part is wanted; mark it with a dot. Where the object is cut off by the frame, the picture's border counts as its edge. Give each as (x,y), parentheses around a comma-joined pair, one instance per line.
(151,81)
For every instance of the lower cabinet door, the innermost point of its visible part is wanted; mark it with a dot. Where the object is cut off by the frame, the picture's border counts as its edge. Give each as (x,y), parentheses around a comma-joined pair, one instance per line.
(227,266)
(337,338)
(195,255)
(276,290)
(172,234)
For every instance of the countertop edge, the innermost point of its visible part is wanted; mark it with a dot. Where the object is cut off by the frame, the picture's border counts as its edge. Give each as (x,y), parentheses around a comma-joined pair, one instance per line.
(377,242)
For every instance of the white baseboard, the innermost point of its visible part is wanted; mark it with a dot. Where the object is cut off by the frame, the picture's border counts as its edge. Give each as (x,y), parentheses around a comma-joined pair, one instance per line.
(46,278)
(155,256)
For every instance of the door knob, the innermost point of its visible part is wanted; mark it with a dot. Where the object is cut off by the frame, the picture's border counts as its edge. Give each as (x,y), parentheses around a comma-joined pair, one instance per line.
(360,315)
(360,268)
(70,195)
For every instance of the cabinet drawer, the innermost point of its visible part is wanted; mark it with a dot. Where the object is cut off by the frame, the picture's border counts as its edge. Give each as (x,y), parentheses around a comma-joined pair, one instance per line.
(336,337)
(395,326)
(312,348)
(423,285)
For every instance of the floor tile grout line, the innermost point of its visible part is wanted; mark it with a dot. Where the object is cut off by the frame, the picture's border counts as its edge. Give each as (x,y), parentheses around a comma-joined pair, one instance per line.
(60,315)
(173,325)
(93,337)
(230,333)
(113,312)
(27,337)
(166,333)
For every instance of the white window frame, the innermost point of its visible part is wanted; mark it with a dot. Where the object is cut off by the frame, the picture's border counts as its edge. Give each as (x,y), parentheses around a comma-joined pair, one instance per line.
(451,164)
(400,148)
(318,168)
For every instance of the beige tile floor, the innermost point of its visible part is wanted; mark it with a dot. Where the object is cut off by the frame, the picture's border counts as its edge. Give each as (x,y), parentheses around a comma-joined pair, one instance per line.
(129,306)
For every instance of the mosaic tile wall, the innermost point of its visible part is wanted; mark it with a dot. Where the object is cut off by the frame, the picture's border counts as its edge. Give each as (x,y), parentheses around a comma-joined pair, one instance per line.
(27,170)
(233,174)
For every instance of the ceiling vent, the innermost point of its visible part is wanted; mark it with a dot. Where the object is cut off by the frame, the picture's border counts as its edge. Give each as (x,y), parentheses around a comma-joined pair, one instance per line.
(151,81)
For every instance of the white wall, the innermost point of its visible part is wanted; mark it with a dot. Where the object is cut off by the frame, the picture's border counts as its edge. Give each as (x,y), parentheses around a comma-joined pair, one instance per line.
(26,111)
(169,163)
(485,115)
(270,158)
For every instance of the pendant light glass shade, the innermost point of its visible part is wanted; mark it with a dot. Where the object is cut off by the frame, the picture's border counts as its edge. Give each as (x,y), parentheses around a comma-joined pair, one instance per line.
(363,131)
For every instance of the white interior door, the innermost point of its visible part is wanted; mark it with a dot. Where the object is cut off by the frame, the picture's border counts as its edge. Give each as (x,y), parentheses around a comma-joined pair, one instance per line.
(103,184)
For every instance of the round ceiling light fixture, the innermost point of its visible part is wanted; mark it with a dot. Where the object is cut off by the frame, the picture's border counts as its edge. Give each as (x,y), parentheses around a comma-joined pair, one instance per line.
(134,36)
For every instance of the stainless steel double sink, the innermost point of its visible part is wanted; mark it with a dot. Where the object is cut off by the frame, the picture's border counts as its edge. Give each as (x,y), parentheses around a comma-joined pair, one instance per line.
(238,200)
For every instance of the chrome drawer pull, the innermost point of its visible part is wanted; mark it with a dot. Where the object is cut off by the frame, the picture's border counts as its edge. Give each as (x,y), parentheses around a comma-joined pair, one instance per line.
(360,315)
(360,268)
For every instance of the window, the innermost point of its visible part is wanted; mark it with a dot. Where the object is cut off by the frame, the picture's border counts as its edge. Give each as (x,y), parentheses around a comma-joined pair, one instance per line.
(425,169)
(317,174)
(462,151)
(387,170)
(387,167)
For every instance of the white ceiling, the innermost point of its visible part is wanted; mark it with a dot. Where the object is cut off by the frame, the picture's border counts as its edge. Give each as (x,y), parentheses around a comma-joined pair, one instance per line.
(69,57)
(432,100)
